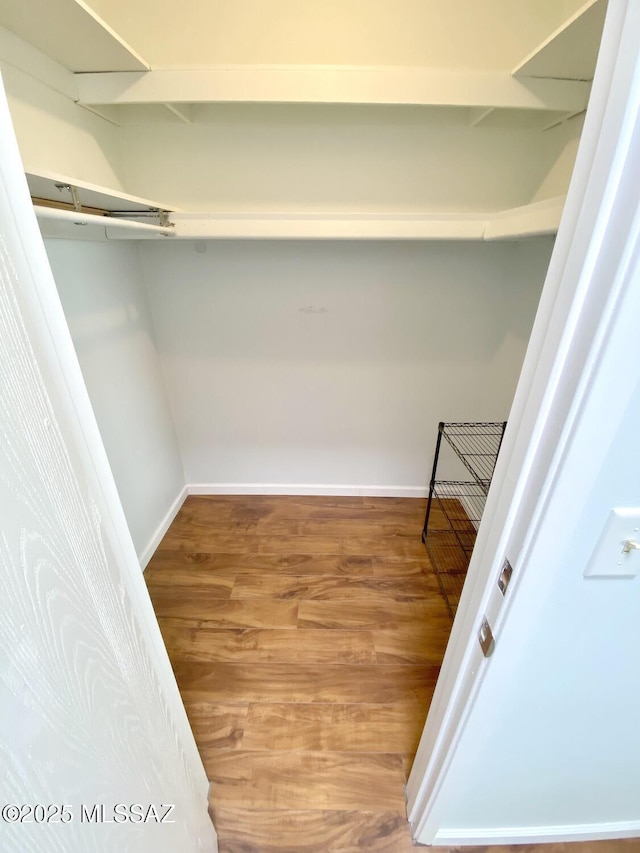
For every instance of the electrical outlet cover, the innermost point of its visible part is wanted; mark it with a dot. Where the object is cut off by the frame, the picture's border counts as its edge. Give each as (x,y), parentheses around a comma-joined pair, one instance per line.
(608,559)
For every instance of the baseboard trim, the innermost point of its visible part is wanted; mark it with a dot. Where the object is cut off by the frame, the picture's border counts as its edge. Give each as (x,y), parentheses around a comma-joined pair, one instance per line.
(537,834)
(307,489)
(162,528)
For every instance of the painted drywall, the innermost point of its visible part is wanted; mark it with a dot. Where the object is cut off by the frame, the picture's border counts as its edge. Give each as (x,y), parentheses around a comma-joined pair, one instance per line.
(548,747)
(552,742)
(56,135)
(104,300)
(335,158)
(332,363)
(564,140)
(279,157)
(495,34)
(257,157)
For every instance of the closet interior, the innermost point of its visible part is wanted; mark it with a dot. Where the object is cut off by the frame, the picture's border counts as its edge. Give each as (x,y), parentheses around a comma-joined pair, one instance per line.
(290,239)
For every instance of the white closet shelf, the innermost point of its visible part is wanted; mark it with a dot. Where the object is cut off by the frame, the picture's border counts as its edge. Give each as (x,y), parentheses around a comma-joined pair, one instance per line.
(328,226)
(527,221)
(541,217)
(71,33)
(328,84)
(68,207)
(532,219)
(46,185)
(95,220)
(571,51)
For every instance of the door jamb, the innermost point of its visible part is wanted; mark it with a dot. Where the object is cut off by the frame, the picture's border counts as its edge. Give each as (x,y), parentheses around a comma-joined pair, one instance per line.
(548,388)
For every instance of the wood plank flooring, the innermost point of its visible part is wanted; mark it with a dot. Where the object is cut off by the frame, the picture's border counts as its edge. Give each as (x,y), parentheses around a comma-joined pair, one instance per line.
(306,635)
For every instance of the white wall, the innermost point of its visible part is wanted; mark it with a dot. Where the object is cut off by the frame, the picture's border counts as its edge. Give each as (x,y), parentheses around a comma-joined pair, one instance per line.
(105,303)
(291,157)
(332,363)
(248,157)
(548,745)
(56,135)
(553,742)
(563,141)
(491,34)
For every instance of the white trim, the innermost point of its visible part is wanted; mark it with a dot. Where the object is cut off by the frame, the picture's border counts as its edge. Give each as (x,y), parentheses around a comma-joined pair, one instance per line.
(301,225)
(538,834)
(162,528)
(574,309)
(530,220)
(541,217)
(307,489)
(334,84)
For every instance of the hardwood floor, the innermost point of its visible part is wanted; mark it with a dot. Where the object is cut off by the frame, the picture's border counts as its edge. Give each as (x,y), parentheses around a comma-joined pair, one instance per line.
(306,635)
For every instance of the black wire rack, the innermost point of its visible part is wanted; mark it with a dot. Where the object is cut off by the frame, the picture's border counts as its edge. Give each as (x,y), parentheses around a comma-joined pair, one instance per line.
(455,507)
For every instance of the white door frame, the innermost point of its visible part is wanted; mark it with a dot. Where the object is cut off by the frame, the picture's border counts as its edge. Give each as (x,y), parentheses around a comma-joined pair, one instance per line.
(567,343)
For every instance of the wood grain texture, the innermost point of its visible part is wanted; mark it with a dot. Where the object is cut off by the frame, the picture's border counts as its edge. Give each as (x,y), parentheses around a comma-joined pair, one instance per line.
(247,830)
(306,673)
(394,728)
(295,779)
(275,682)
(194,565)
(240,542)
(419,643)
(166,561)
(254,830)
(292,507)
(306,636)
(199,604)
(359,614)
(202,641)
(216,725)
(212,584)
(90,712)
(310,587)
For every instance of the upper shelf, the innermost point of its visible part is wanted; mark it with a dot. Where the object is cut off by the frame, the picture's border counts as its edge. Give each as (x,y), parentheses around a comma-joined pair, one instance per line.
(67,207)
(316,84)
(530,220)
(71,33)
(95,220)
(571,52)
(47,185)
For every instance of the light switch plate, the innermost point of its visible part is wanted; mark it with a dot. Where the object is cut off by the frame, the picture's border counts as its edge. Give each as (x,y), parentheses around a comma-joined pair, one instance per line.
(608,559)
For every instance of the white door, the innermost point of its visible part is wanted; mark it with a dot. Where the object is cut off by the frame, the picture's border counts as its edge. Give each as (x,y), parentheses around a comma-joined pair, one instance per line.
(96,753)
(539,742)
